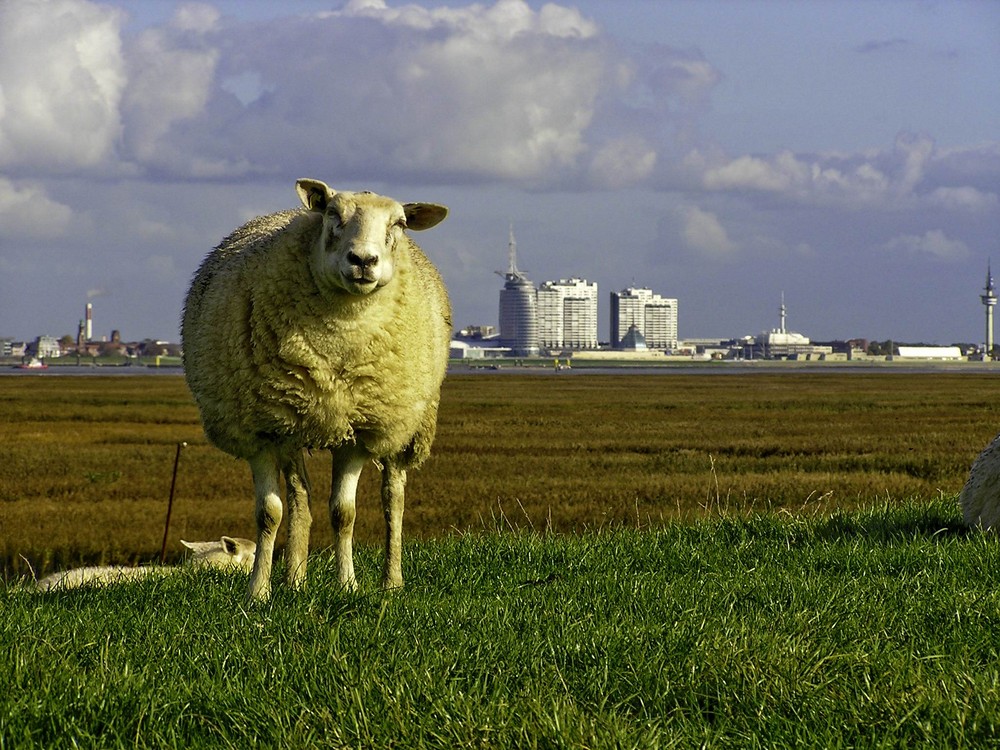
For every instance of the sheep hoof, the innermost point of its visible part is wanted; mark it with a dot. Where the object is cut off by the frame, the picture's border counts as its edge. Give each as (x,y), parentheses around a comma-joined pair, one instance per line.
(259,593)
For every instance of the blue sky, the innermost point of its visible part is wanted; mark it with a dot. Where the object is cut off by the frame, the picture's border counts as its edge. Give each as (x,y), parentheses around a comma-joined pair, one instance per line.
(846,154)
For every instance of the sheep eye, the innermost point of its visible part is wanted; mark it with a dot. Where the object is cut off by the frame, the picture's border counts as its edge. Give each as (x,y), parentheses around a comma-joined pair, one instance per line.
(335,219)
(400,224)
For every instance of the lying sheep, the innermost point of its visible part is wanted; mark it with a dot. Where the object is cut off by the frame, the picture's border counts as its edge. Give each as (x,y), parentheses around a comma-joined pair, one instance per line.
(322,327)
(229,553)
(980,497)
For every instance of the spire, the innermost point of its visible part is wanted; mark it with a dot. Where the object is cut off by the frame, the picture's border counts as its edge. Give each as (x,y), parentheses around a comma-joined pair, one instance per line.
(512,253)
(989,298)
(512,274)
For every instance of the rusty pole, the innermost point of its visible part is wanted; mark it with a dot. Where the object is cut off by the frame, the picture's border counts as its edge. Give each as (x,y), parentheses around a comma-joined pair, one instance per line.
(170,503)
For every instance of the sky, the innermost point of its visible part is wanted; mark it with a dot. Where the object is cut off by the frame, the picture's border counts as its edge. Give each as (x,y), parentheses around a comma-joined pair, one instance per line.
(843,154)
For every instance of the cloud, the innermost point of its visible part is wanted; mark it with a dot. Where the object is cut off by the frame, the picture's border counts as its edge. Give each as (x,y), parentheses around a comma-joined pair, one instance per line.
(172,72)
(622,162)
(907,176)
(966,199)
(474,93)
(61,80)
(933,243)
(703,232)
(27,212)
(882,45)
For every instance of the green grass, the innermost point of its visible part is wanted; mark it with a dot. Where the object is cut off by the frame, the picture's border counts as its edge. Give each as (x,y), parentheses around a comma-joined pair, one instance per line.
(868,628)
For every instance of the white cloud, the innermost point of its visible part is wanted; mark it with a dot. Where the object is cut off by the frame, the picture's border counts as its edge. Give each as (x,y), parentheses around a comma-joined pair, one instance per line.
(914,152)
(704,233)
(933,243)
(901,178)
(497,91)
(432,94)
(964,199)
(815,180)
(61,81)
(172,71)
(198,17)
(622,162)
(27,212)
(778,175)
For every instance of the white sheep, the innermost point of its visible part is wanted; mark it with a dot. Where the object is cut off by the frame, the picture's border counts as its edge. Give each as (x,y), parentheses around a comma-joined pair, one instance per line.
(980,497)
(229,553)
(322,327)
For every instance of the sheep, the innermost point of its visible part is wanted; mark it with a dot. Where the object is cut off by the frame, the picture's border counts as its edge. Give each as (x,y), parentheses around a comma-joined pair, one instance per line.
(229,553)
(980,497)
(323,327)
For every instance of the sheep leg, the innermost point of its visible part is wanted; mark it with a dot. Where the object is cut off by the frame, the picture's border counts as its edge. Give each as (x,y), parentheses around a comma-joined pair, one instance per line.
(347,465)
(268,513)
(393,485)
(299,520)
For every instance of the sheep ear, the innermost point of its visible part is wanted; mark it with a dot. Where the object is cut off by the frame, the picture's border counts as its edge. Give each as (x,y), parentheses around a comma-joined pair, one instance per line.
(313,194)
(230,545)
(193,546)
(423,215)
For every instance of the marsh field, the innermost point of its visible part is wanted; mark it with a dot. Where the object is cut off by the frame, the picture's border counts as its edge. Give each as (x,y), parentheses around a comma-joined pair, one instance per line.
(86,462)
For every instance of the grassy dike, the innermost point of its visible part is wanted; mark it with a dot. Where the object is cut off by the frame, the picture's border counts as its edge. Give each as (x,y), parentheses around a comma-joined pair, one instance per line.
(866,629)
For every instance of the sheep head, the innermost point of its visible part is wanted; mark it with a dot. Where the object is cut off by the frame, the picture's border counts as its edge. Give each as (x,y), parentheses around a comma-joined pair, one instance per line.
(357,244)
(228,552)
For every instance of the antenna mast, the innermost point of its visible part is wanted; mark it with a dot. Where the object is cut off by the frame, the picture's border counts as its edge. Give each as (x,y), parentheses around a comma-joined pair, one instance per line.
(512,270)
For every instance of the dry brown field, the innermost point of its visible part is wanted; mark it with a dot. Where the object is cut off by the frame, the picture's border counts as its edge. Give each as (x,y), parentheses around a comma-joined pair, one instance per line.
(86,462)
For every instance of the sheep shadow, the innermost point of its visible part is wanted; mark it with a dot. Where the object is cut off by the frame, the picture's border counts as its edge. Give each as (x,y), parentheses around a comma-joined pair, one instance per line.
(889,526)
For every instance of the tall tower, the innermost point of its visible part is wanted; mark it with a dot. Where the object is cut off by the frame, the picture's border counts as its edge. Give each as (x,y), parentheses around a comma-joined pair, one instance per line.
(989,302)
(89,321)
(782,311)
(518,308)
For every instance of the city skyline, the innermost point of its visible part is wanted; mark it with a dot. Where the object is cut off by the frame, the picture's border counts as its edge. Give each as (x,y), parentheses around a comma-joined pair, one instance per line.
(846,153)
(667,327)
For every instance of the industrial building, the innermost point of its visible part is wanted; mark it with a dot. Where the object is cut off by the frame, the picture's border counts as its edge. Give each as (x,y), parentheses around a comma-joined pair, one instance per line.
(780,343)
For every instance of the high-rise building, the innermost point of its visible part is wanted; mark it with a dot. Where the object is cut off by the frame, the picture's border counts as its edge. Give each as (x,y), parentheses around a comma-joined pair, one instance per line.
(653,316)
(567,314)
(518,309)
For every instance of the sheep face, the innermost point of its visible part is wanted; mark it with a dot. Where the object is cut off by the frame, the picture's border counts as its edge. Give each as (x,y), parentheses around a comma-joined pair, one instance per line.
(356,248)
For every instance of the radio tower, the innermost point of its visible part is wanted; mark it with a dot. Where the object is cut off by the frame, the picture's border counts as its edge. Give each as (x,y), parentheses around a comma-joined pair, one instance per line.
(989,302)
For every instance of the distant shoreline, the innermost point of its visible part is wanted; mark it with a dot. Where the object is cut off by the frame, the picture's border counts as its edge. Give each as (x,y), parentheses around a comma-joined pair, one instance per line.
(722,367)
(616,367)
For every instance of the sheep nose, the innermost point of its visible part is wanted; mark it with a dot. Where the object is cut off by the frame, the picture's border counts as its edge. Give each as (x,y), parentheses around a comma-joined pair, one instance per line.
(362,262)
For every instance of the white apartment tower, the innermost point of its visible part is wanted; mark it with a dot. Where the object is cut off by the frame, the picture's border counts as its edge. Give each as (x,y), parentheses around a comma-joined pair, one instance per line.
(655,317)
(567,314)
